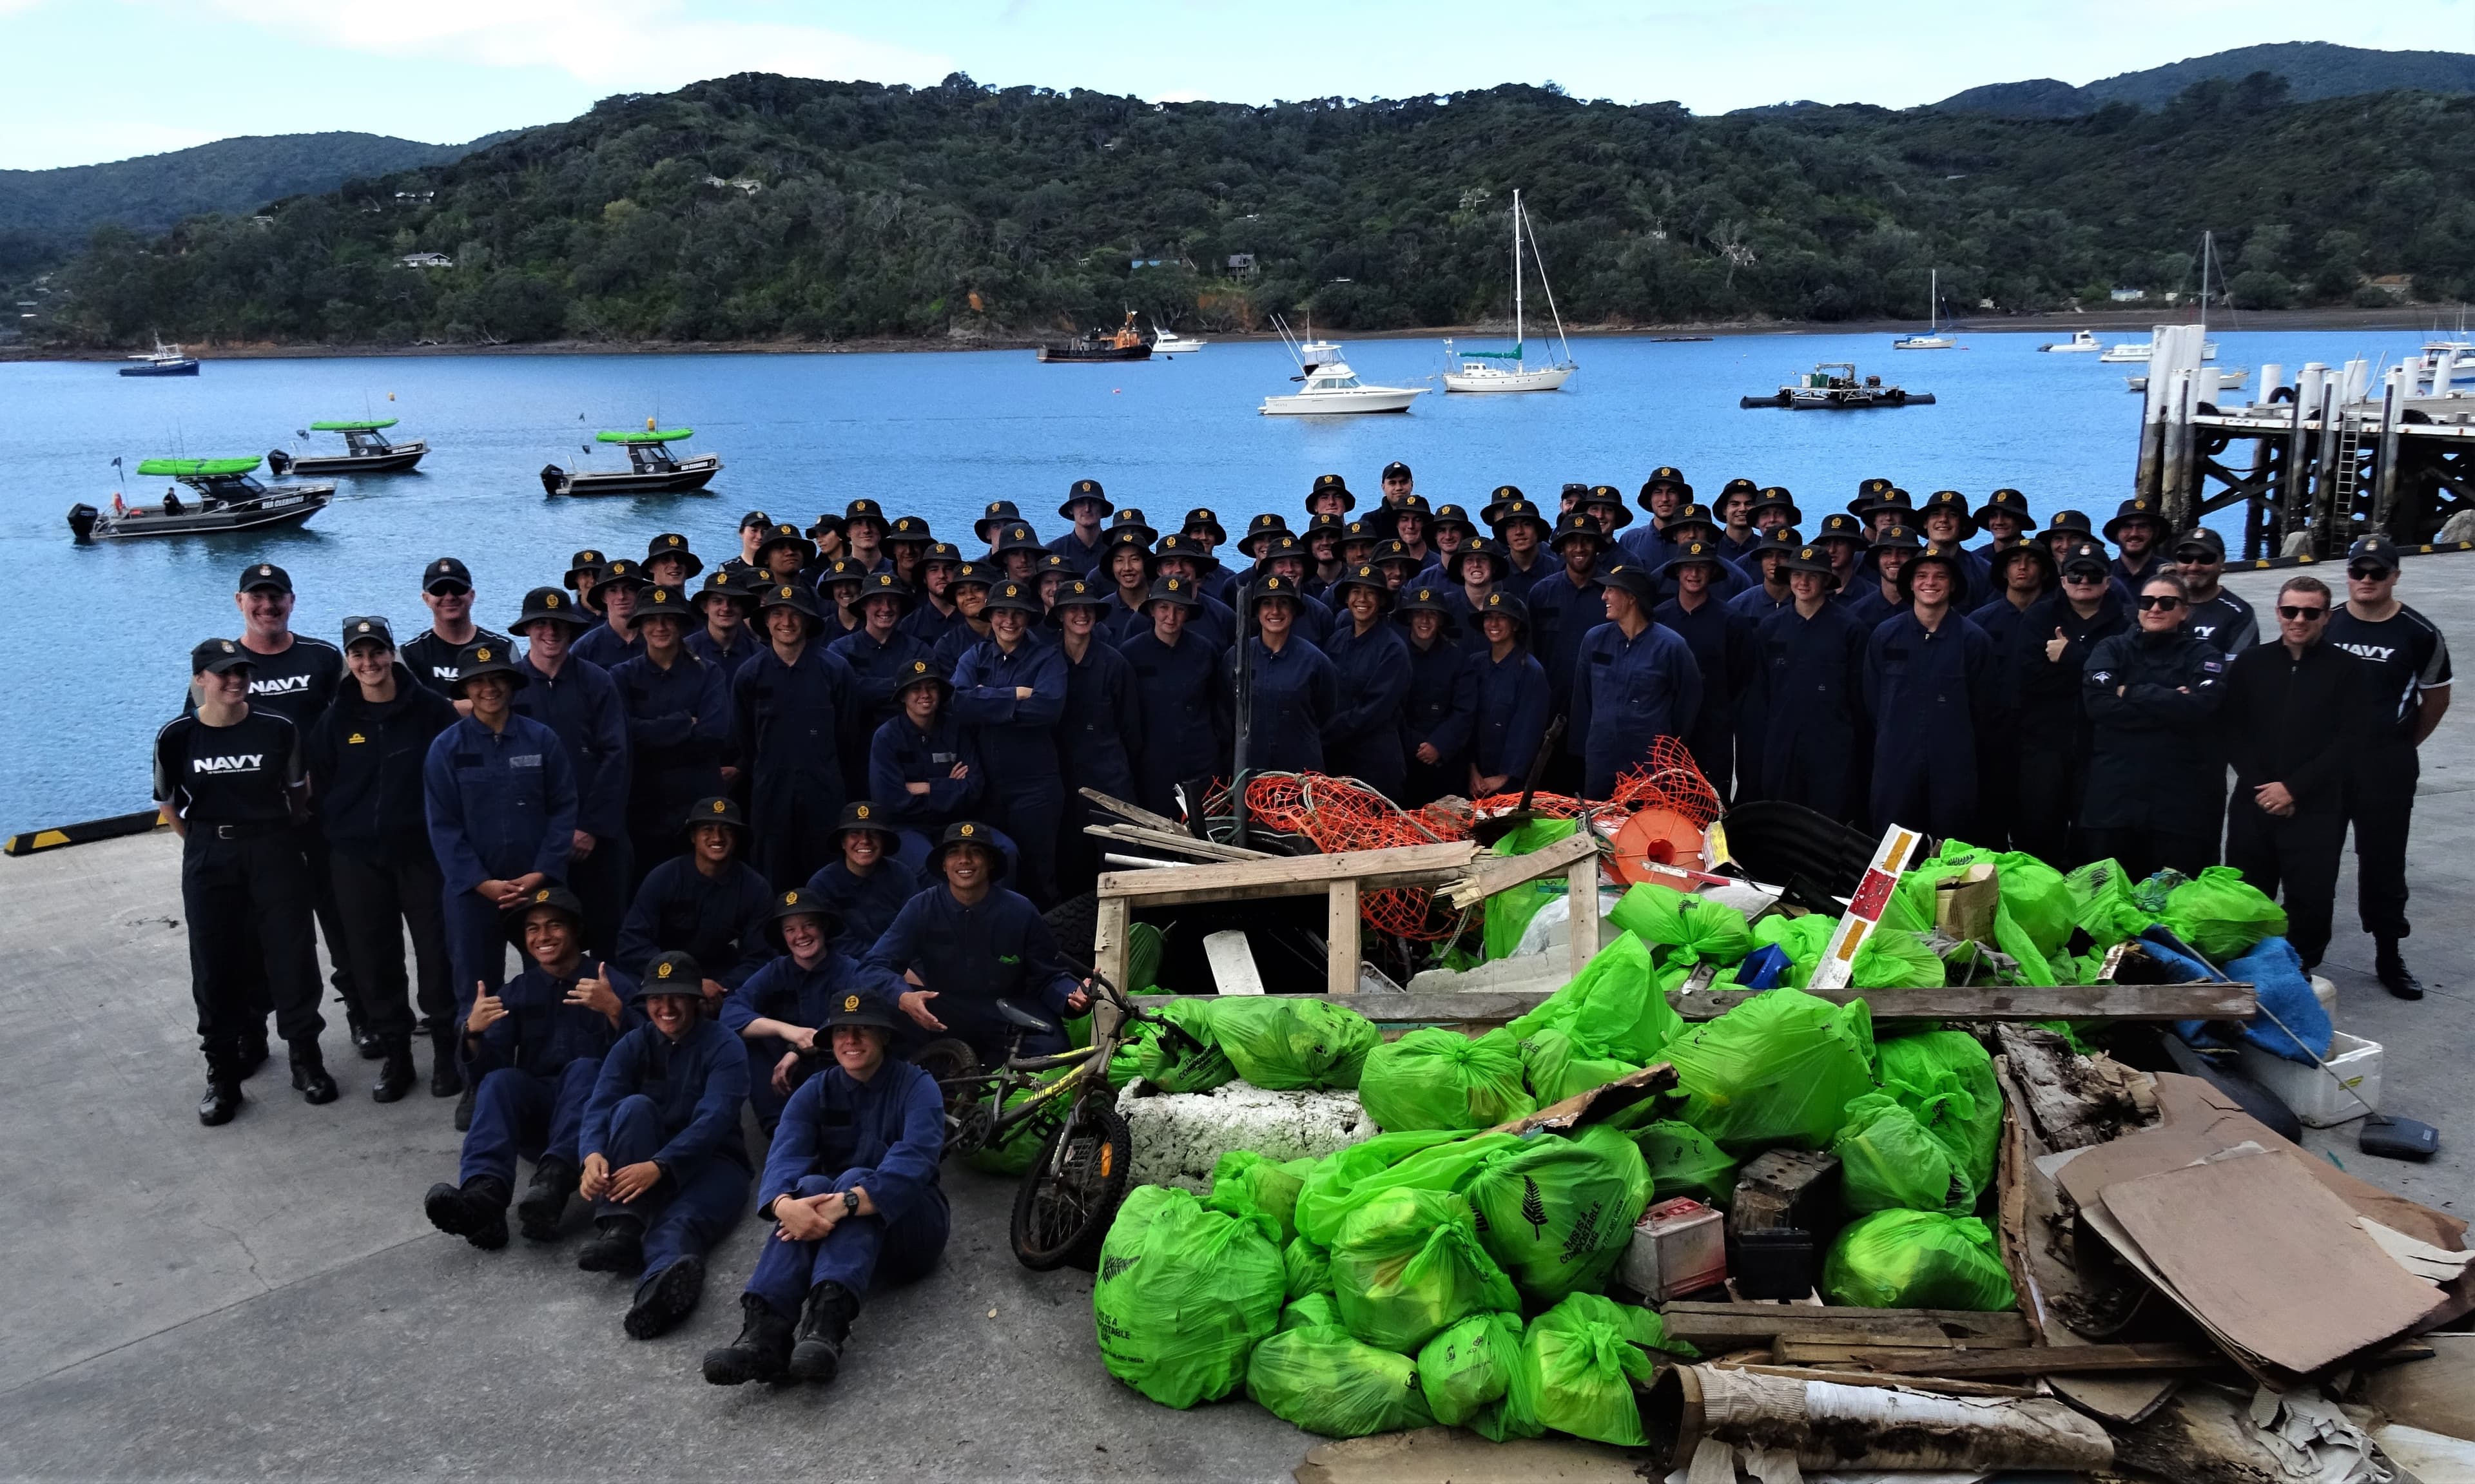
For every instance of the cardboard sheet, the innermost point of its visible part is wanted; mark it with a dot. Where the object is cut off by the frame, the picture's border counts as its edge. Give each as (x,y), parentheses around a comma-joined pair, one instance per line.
(2268,1259)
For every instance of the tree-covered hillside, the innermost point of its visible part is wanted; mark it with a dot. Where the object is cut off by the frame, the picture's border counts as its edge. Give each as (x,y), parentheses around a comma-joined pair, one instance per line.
(764,206)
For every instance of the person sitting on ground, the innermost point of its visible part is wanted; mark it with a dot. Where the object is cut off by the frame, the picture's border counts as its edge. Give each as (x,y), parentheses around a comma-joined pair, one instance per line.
(780,1011)
(533,1051)
(867,888)
(665,1166)
(708,903)
(969,942)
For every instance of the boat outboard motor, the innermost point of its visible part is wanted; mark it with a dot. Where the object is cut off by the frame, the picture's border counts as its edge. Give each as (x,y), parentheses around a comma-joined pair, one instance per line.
(278,462)
(553,478)
(81,518)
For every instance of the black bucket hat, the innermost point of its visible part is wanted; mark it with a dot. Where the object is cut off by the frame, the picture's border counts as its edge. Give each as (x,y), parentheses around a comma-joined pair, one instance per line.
(908,528)
(2036,551)
(1268,588)
(1175,591)
(2136,508)
(1843,528)
(794,597)
(1868,491)
(672,603)
(801,902)
(1364,576)
(855,1009)
(1739,485)
(1396,551)
(1687,516)
(2005,502)
(1474,547)
(1893,499)
(940,551)
(1265,526)
(787,534)
(672,544)
(1016,538)
(588,562)
(1606,496)
(1423,597)
(1687,553)
(1451,518)
(1330,484)
(864,509)
(615,574)
(1572,524)
(1812,559)
(670,973)
(1497,499)
(1505,514)
(920,672)
(968,832)
(721,584)
(1506,604)
(1128,537)
(998,512)
(1412,504)
(885,584)
(489,657)
(715,810)
(1131,519)
(1891,538)
(842,570)
(978,574)
(550,894)
(553,604)
(1781,539)
(1775,497)
(1283,547)
(1664,474)
(2069,523)
(1015,597)
(1943,554)
(1634,581)
(863,817)
(1953,501)
(1078,492)
(1078,593)
(1186,548)
(1200,518)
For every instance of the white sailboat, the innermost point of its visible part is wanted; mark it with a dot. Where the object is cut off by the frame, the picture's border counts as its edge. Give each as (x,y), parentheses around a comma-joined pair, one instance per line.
(1330,385)
(1509,371)
(2137,352)
(1931,339)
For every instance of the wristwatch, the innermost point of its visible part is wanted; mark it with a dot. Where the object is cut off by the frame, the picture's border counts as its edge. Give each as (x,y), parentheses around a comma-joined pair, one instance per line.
(850,1202)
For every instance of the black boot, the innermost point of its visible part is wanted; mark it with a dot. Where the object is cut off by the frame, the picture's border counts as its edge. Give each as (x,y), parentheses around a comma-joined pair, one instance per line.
(545,1200)
(396,1076)
(446,1077)
(309,1077)
(365,1040)
(223,1099)
(665,1299)
(760,1353)
(477,1211)
(824,1324)
(2390,969)
(618,1246)
(253,1052)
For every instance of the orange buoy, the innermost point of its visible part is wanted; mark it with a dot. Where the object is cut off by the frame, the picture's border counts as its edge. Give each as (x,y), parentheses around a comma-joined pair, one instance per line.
(1656,837)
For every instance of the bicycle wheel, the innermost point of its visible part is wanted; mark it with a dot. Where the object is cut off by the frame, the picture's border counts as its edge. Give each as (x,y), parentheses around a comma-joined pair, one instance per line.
(949,1063)
(1063,1209)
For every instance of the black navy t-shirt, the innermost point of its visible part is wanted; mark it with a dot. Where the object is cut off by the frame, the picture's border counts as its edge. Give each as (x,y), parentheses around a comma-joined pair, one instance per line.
(2408,652)
(432,659)
(297,685)
(236,774)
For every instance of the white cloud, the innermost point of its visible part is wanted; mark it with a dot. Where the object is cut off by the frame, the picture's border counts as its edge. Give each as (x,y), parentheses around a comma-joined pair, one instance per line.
(608,43)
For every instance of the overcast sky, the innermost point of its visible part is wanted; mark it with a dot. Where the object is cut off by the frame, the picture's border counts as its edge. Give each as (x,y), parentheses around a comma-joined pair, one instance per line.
(96,80)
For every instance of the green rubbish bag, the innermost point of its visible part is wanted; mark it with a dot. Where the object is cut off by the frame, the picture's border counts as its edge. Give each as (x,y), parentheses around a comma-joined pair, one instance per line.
(1778,1069)
(1557,1067)
(1416,1159)
(1409,1263)
(1894,959)
(1437,1078)
(1183,1294)
(1916,1260)
(1681,928)
(1558,1212)
(1887,1161)
(1307,1269)
(2102,906)
(2037,898)
(1802,938)
(2221,914)
(1946,1077)
(1466,1370)
(1616,1007)
(1182,1056)
(1682,1161)
(1243,1180)
(1321,1379)
(1581,1358)
(1508,912)
(1308,1310)
(1286,1045)
(1012,1152)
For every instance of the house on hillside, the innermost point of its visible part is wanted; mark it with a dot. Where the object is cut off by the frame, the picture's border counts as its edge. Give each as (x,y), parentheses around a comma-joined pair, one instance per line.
(2127,296)
(746,186)
(1242,265)
(2397,285)
(424,261)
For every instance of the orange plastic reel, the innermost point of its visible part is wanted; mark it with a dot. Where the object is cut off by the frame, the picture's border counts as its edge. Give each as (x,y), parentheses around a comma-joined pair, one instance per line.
(1657,837)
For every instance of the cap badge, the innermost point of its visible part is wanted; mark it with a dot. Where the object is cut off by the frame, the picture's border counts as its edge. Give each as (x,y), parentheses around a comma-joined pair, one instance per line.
(541,894)
(363,627)
(966,831)
(266,571)
(850,1002)
(663,971)
(227,647)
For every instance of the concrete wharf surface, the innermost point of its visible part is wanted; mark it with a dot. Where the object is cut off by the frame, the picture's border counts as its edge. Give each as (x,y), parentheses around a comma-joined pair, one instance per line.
(266,1300)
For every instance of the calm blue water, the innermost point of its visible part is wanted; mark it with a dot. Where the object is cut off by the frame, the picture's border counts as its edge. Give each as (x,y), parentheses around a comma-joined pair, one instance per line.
(933,435)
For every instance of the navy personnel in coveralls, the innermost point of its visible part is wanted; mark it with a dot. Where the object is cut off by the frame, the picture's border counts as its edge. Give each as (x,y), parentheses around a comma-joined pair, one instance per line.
(780,1011)
(969,942)
(664,1163)
(791,703)
(1930,685)
(1634,682)
(851,1186)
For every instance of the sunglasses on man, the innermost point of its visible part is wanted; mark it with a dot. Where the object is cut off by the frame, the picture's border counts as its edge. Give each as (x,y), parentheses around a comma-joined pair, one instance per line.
(2166,600)
(2302,613)
(2370,571)
(2197,556)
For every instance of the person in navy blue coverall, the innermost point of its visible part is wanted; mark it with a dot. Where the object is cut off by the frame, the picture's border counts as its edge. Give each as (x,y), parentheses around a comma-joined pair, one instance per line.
(1522,532)
(923,767)
(879,655)
(2049,648)
(1634,682)
(725,639)
(1011,691)
(1471,574)
(1177,679)
(1371,665)
(708,903)
(678,729)
(1722,645)
(867,888)
(1766,573)
(614,596)
(1930,687)
(502,808)
(970,591)
(665,1165)
(1441,705)
(1564,606)
(969,942)
(1512,707)
(851,1186)
(1804,712)
(1880,592)
(1944,520)
(2021,574)
(534,1049)
(1102,727)
(1124,580)
(577,699)
(791,703)
(1087,505)
(1293,690)
(779,1014)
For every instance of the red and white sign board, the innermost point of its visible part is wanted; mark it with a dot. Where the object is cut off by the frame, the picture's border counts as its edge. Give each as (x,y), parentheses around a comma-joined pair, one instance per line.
(1893,856)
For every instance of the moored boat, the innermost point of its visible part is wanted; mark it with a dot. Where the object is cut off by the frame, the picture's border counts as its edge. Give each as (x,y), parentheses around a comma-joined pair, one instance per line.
(1168,342)
(164,360)
(652,469)
(1125,343)
(228,499)
(2083,342)
(1835,386)
(1330,386)
(366,452)
(1933,339)
(1511,370)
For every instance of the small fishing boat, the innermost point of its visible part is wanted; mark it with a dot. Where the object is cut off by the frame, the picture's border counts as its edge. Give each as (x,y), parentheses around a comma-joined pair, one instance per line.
(1509,371)
(164,360)
(1932,339)
(651,469)
(1330,386)
(1125,343)
(1834,386)
(2083,342)
(366,452)
(1168,342)
(2136,351)
(228,499)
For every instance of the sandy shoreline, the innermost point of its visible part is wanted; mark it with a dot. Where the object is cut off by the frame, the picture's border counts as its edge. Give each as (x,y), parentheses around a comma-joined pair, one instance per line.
(2129,323)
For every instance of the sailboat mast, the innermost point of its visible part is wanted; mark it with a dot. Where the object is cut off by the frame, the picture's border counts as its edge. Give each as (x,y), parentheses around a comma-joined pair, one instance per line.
(1933,300)
(1516,270)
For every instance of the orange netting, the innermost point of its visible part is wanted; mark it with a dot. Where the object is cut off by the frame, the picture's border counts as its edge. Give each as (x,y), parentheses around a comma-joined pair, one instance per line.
(1343,814)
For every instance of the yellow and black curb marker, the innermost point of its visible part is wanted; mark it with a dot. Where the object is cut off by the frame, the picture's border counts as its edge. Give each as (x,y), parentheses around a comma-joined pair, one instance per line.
(34,840)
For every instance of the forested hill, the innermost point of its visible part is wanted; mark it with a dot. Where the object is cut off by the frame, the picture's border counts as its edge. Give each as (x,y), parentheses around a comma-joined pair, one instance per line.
(768,207)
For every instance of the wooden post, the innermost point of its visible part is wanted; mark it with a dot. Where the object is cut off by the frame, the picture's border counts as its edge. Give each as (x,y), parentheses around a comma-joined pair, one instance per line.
(1582,891)
(2326,518)
(2294,482)
(1110,949)
(2385,509)
(1341,938)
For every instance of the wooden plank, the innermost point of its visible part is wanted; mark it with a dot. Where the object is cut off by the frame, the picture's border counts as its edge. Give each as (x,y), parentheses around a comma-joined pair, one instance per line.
(1235,881)
(1787,1352)
(1493,873)
(1110,948)
(2121,1002)
(1864,1379)
(1341,939)
(1737,1326)
(1176,843)
(1582,905)
(1132,813)
(2045,1360)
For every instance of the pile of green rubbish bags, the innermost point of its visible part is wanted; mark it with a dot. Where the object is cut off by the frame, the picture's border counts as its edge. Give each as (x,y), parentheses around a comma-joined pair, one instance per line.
(1446,1272)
